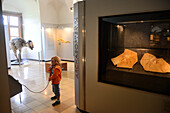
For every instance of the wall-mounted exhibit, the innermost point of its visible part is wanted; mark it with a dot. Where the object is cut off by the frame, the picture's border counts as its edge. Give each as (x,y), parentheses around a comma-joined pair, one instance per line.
(134,51)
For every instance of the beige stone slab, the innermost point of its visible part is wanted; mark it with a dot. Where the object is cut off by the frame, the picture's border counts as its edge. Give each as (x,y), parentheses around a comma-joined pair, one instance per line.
(153,64)
(125,60)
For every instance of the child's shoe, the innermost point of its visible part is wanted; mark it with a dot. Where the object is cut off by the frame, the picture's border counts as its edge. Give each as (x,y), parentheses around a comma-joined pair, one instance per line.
(54,97)
(56,103)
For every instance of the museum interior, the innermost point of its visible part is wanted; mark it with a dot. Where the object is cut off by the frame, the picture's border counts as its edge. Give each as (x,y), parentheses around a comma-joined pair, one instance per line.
(115,56)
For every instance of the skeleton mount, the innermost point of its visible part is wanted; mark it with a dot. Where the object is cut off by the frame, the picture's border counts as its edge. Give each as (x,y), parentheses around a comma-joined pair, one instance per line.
(18,44)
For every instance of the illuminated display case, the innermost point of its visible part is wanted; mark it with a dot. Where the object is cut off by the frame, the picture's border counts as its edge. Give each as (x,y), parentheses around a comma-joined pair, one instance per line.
(142,33)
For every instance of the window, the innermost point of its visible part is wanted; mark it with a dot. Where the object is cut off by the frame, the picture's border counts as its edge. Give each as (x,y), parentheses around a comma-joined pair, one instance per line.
(13,21)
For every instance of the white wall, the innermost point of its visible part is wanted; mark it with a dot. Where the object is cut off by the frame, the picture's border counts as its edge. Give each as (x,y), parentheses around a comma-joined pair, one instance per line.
(52,44)
(49,42)
(31,24)
(48,11)
(65,50)
(65,15)
(56,11)
(106,98)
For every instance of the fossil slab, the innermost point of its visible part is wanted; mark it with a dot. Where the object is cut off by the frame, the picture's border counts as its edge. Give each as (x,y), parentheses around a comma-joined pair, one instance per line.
(153,64)
(125,60)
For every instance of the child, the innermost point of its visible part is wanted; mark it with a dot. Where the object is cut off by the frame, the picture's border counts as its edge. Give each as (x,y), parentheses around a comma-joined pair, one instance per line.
(55,76)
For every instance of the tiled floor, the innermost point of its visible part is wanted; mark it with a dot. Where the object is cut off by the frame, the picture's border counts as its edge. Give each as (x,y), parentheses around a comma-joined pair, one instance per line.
(33,75)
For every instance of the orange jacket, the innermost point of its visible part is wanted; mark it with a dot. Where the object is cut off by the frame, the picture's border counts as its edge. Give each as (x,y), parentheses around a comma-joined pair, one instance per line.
(56,76)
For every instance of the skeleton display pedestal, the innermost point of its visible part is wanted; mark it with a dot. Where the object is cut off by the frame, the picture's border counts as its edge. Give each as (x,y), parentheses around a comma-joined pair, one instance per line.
(17,63)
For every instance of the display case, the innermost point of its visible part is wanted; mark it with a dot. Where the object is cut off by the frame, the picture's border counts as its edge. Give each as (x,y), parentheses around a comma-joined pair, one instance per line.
(142,34)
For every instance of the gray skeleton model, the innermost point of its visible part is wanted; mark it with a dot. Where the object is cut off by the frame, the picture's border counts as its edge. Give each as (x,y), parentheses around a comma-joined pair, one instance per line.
(18,44)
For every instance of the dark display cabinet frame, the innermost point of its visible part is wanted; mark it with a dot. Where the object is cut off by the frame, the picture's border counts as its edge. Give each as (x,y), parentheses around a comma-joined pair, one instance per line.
(135,34)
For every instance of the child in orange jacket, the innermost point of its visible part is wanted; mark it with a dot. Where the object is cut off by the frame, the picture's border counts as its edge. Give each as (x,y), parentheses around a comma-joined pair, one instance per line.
(55,76)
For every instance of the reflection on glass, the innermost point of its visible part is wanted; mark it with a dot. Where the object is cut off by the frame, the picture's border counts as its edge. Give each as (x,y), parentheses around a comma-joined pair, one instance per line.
(151,37)
(45,93)
(14,32)
(26,73)
(5,20)
(168,38)
(13,20)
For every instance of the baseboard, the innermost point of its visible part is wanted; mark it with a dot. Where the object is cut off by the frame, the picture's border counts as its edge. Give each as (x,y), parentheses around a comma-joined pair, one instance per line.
(82,111)
(13,60)
(42,60)
(39,60)
(67,60)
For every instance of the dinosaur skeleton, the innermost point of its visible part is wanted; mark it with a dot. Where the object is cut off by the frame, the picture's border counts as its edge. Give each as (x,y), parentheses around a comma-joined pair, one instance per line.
(18,44)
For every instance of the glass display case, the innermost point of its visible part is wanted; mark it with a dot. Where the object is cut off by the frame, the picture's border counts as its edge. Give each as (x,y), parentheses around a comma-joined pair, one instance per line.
(134,51)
